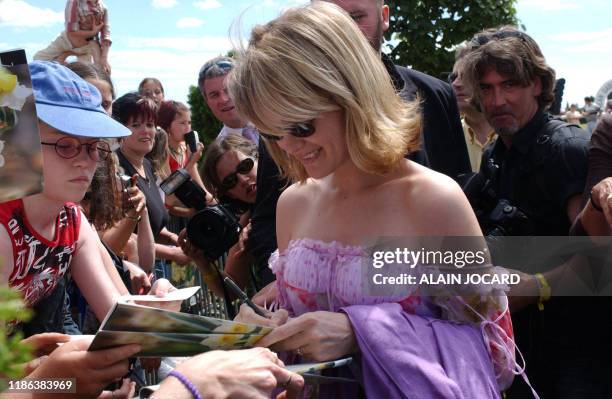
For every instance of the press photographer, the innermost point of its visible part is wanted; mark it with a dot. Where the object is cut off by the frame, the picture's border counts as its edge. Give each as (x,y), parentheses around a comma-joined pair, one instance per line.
(230,173)
(537,167)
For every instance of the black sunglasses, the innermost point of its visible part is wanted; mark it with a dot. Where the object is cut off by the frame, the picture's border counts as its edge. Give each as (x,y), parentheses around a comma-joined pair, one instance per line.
(301,130)
(482,39)
(243,167)
(452,77)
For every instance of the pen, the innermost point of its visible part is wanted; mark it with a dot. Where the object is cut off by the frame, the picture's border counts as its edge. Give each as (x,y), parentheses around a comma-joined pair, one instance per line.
(242,295)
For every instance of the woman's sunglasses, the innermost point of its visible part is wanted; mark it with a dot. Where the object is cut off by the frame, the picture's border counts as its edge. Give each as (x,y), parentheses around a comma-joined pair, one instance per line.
(301,130)
(243,167)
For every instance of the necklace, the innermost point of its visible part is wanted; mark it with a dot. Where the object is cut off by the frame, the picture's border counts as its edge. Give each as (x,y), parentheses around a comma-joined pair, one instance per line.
(178,153)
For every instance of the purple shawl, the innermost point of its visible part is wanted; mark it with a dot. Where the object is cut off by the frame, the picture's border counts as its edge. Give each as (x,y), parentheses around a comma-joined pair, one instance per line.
(410,356)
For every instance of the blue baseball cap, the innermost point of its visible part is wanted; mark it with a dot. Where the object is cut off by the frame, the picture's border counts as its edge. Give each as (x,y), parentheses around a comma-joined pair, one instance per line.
(69,104)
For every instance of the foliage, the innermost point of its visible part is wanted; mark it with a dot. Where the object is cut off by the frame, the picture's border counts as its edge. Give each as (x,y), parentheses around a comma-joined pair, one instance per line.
(13,354)
(202,118)
(428,30)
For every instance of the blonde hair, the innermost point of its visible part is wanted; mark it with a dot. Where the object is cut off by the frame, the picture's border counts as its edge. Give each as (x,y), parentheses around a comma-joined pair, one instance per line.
(314,59)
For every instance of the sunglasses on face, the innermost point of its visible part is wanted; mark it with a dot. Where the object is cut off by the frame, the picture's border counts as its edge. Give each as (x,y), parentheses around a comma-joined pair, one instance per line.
(70,147)
(452,77)
(301,130)
(243,167)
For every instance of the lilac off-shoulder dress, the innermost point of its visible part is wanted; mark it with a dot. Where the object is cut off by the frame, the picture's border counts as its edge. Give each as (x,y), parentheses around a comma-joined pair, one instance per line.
(410,345)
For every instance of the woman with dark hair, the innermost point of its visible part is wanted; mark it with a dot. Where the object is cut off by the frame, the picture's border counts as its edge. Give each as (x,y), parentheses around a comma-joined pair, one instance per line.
(138,114)
(230,169)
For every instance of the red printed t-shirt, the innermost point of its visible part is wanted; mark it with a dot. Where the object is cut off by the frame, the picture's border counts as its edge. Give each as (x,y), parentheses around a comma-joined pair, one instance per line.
(38,264)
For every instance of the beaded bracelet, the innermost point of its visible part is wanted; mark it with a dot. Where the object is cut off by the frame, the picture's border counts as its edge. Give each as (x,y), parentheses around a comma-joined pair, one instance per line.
(185,381)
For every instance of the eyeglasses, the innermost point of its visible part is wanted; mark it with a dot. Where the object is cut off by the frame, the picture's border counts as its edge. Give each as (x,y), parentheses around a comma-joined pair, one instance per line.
(70,147)
(301,130)
(244,167)
(481,40)
(223,64)
(452,77)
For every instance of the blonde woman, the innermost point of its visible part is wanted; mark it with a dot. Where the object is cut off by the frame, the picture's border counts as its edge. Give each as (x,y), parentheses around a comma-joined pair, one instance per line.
(335,126)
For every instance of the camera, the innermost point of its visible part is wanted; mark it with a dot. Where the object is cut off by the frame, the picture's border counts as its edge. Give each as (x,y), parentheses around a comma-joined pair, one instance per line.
(496,216)
(507,220)
(189,193)
(214,229)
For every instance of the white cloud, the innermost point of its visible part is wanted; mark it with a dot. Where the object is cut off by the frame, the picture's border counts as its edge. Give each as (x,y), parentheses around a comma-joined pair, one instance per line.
(177,70)
(20,14)
(159,4)
(189,23)
(549,5)
(207,4)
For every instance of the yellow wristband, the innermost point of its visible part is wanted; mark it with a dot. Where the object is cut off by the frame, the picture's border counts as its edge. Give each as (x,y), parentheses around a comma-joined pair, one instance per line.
(544,288)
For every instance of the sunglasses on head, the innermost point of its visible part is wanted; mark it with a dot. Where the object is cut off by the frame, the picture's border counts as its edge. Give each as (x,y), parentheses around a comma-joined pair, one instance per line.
(243,167)
(223,64)
(301,130)
(482,39)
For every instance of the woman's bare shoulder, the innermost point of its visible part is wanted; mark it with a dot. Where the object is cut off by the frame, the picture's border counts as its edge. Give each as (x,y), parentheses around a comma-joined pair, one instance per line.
(438,204)
(299,192)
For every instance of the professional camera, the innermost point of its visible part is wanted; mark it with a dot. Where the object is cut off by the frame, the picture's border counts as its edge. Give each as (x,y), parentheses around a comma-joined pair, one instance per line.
(214,229)
(497,217)
(507,220)
(189,193)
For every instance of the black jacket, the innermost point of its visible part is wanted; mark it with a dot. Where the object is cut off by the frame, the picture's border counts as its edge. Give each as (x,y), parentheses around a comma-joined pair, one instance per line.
(443,147)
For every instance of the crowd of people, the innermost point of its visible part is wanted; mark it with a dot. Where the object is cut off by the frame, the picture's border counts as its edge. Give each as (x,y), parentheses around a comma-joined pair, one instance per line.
(325,142)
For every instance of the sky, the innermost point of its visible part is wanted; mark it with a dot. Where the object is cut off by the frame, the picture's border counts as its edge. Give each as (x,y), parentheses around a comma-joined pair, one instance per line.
(171,39)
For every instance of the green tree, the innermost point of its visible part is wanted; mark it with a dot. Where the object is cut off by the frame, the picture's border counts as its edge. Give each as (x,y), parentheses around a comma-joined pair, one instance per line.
(13,354)
(202,118)
(428,30)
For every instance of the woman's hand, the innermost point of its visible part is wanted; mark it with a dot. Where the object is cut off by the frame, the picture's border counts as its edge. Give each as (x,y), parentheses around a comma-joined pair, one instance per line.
(161,287)
(194,157)
(141,284)
(92,370)
(45,343)
(135,199)
(242,240)
(249,373)
(272,319)
(266,295)
(317,336)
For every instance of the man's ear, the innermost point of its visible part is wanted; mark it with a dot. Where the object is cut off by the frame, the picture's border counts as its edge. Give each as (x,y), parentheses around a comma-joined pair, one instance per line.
(385,17)
(537,86)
